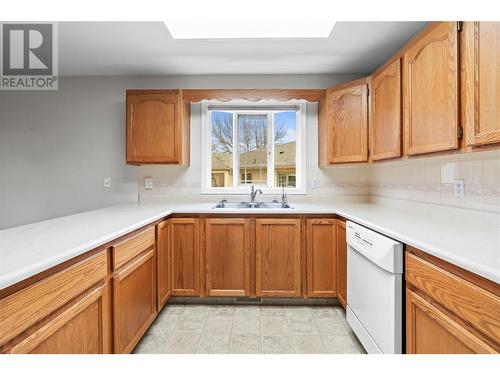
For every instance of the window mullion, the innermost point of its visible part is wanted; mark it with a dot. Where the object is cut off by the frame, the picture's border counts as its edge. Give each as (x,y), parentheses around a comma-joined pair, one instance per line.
(270,148)
(236,151)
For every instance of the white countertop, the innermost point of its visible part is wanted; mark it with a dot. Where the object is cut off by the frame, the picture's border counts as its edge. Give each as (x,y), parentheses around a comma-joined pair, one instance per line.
(466,238)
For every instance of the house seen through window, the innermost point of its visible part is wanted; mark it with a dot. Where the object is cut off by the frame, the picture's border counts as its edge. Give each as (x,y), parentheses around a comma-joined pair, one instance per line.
(254,147)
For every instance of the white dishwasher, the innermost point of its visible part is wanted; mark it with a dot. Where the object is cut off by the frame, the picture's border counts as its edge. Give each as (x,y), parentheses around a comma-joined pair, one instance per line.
(374,289)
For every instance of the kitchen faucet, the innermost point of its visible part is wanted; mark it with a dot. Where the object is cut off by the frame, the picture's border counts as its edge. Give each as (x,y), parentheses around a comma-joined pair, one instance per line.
(253,193)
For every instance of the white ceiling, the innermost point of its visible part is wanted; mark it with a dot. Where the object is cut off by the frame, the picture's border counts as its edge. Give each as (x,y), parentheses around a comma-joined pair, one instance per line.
(147,48)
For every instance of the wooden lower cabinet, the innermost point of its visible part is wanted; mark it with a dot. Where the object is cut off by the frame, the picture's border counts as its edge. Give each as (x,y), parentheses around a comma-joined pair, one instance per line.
(185,256)
(134,302)
(278,257)
(449,310)
(227,254)
(429,330)
(82,328)
(341,263)
(321,258)
(163,262)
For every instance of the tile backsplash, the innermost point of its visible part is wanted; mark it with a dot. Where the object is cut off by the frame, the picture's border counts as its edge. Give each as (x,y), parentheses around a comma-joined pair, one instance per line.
(430,180)
(424,180)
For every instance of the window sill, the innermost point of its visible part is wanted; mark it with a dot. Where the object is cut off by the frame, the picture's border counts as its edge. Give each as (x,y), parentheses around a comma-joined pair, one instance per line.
(246,191)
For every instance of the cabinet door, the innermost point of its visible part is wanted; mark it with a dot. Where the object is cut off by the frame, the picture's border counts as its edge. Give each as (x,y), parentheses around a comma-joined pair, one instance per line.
(483,82)
(431,91)
(185,257)
(163,262)
(277,262)
(154,127)
(385,113)
(82,328)
(321,258)
(341,263)
(227,248)
(348,117)
(431,331)
(134,301)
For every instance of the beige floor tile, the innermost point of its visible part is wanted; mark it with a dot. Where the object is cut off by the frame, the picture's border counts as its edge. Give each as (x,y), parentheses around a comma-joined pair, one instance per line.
(302,325)
(274,326)
(277,345)
(341,344)
(213,344)
(174,309)
(273,310)
(298,311)
(246,324)
(197,309)
(245,344)
(222,310)
(219,324)
(247,310)
(183,343)
(165,322)
(152,344)
(308,344)
(191,323)
(324,311)
(330,326)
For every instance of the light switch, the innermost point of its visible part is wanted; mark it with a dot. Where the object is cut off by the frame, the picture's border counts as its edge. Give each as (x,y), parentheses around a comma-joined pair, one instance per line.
(148,183)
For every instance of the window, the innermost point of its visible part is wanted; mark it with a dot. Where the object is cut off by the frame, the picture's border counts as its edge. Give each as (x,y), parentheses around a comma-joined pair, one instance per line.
(245,143)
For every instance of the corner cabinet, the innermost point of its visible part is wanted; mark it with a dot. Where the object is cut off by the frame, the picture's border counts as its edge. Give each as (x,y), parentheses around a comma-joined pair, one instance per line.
(481,82)
(431,91)
(157,127)
(278,257)
(347,129)
(385,113)
(321,258)
(227,254)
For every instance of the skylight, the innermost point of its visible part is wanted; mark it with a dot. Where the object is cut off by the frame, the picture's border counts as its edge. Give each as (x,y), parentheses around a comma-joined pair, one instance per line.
(258,19)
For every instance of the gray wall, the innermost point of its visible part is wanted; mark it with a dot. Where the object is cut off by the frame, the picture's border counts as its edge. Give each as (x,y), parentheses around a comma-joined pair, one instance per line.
(56,147)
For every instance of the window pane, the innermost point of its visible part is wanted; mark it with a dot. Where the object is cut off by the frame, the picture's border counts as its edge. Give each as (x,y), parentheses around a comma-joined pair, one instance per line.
(285,126)
(253,148)
(222,149)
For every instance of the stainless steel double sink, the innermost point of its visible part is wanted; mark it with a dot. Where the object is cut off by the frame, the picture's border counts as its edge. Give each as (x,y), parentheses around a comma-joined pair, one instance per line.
(255,205)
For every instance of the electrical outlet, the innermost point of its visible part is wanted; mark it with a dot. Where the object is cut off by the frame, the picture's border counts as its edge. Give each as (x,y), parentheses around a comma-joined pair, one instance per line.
(148,183)
(314,183)
(459,188)
(107,182)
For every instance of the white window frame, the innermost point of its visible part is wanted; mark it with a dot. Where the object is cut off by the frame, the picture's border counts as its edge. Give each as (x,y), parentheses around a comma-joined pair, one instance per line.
(206,142)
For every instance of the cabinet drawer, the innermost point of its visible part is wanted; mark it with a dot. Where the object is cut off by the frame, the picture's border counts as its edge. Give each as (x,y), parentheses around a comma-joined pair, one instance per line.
(132,246)
(478,307)
(27,306)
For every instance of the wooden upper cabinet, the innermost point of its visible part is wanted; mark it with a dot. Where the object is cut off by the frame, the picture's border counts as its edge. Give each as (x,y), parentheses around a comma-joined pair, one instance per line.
(163,262)
(347,138)
(157,127)
(277,257)
(341,263)
(481,82)
(385,113)
(321,258)
(431,105)
(227,254)
(185,256)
